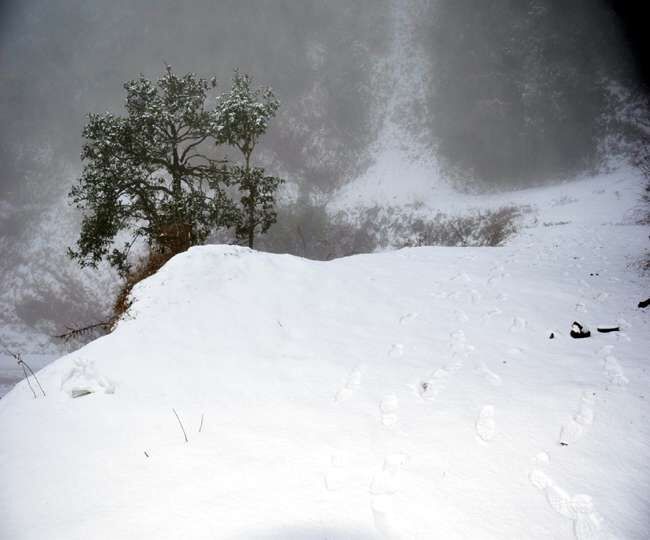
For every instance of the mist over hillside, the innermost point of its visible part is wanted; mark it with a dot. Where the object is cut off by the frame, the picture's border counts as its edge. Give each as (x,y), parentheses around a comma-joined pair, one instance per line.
(515,91)
(384,102)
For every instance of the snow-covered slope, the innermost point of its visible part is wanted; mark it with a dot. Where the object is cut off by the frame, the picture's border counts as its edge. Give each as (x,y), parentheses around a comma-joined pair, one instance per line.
(403,169)
(41,288)
(412,394)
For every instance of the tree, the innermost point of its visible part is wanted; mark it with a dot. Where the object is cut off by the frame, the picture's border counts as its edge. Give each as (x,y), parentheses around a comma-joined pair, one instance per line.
(243,116)
(150,174)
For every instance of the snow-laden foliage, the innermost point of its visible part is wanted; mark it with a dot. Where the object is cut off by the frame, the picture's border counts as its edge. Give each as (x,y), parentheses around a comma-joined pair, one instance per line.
(243,115)
(151,172)
(157,173)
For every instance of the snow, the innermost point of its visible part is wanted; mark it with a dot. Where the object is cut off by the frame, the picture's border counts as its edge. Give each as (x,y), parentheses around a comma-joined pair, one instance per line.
(404,170)
(410,394)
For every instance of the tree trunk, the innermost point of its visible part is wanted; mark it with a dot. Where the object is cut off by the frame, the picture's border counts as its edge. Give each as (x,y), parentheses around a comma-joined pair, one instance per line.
(251,204)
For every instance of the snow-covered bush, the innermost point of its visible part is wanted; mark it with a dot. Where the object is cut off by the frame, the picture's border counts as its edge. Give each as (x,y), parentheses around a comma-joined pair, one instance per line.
(310,231)
(489,228)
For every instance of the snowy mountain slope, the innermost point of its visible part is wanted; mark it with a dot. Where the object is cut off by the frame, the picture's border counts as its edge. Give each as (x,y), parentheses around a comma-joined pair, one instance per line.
(412,394)
(42,288)
(404,168)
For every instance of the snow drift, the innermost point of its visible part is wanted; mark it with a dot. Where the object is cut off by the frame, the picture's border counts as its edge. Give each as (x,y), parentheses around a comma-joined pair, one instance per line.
(412,394)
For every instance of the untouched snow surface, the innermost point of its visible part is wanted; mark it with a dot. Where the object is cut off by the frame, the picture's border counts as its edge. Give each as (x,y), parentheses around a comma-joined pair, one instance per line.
(412,394)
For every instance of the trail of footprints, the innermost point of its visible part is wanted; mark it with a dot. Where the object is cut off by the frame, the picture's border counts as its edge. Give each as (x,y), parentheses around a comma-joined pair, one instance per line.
(432,385)
(587,524)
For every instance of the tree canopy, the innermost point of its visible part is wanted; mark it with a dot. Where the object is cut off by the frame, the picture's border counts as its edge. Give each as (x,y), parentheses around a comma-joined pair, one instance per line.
(244,115)
(158,172)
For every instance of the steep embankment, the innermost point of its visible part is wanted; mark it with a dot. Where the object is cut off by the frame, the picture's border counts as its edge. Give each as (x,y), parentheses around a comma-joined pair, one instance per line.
(412,394)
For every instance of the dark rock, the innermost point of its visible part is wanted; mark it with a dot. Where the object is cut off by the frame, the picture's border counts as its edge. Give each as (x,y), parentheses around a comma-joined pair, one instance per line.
(578,331)
(605,329)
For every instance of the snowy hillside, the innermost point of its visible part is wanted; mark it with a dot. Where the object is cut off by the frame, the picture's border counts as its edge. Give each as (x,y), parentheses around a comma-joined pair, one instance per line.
(411,394)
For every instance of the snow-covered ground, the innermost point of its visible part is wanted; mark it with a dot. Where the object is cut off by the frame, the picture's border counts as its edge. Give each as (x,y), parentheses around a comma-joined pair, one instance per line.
(410,394)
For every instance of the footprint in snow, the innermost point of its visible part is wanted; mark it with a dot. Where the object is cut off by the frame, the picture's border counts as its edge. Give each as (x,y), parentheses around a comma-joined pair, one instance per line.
(601,297)
(492,280)
(456,361)
(542,458)
(519,324)
(587,524)
(457,336)
(573,429)
(351,385)
(585,414)
(622,336)
(485,424)
(475,296)
(336,475)
(385,484)
(388,408)
(458,344)
(461,349)
(606,350)
(430,387)
(462,276)
(492,313)
(407,317)
(388,480)
(396,350)
(490,376)
(502,297)
(614,371)
(460,316)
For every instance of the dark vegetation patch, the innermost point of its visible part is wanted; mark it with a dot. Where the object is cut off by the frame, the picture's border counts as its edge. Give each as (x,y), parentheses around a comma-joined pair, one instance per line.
(309,231)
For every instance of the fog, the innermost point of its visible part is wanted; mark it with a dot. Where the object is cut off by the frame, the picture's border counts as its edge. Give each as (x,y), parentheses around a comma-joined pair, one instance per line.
(62,59)
(517,92)
(498,94)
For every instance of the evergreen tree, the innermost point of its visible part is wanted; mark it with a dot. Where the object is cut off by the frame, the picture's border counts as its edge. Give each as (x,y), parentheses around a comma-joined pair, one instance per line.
(152,173)
(243,117)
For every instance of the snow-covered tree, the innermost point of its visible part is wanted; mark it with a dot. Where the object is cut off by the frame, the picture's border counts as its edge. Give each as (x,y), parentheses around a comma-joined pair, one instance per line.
(152,173)
(244,114)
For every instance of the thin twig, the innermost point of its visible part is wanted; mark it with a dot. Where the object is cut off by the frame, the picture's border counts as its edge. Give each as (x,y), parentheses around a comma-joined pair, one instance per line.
(23,363)
(201,425)
(27,379)
(25,366)
(74,332)
(181,424)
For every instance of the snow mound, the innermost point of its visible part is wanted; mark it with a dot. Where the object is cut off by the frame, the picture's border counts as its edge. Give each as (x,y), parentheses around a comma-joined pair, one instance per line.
(397,395)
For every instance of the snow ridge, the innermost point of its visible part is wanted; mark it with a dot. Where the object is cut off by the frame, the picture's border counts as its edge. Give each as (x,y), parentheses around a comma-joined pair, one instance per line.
(413,394)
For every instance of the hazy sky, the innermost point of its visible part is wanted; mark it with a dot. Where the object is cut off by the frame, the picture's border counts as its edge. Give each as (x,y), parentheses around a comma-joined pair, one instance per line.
(60,59)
